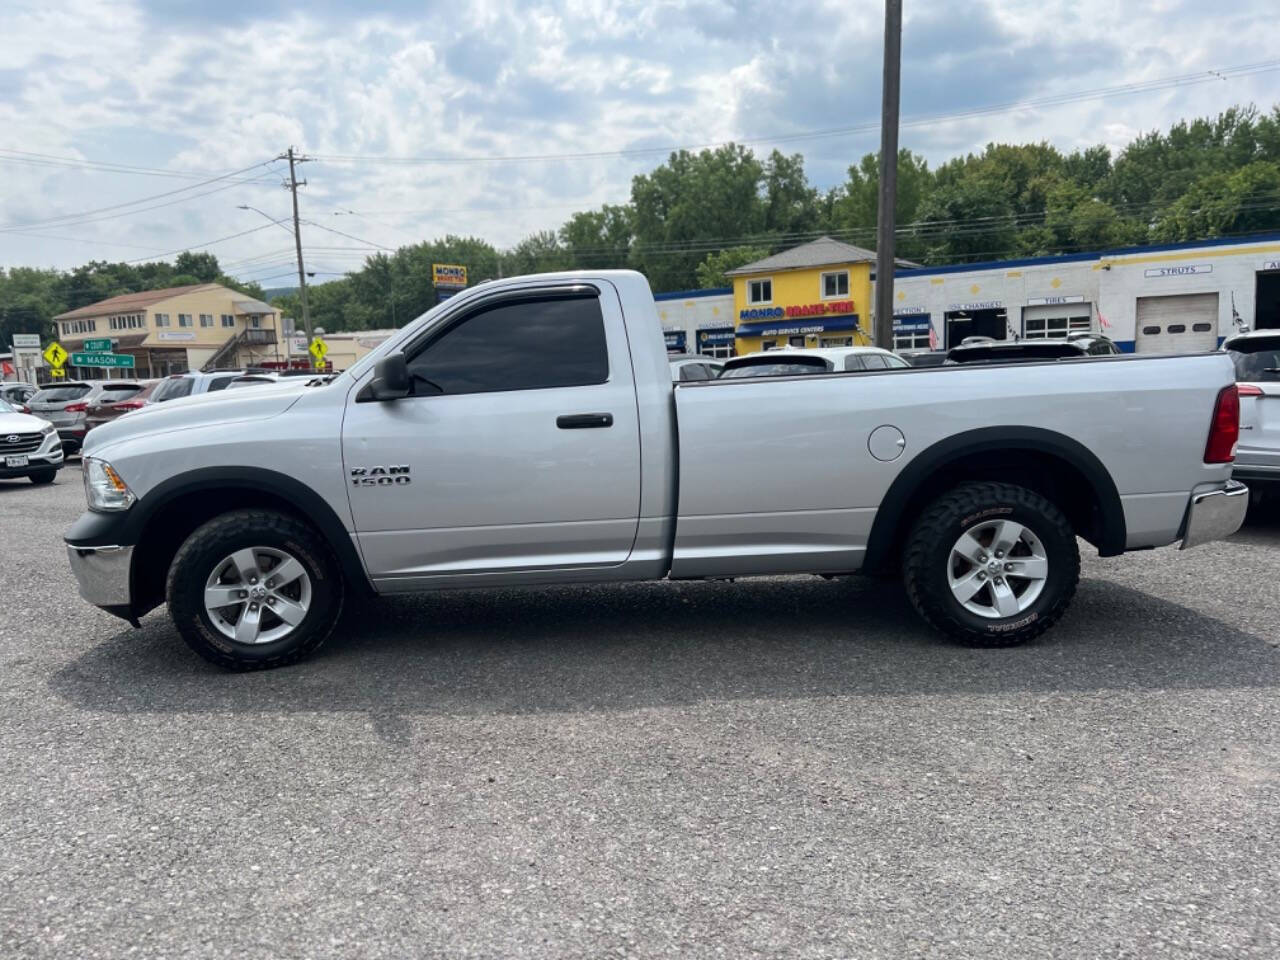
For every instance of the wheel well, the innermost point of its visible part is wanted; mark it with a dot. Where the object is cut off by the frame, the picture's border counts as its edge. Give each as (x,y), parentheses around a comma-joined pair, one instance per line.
(175,520)
(1054,477)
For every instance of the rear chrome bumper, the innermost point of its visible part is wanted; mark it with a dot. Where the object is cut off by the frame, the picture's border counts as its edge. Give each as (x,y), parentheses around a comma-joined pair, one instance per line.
(103,574)
(1215,514)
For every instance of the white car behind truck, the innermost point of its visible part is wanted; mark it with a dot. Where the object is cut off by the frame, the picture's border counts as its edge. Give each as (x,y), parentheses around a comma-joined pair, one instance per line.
(527,431)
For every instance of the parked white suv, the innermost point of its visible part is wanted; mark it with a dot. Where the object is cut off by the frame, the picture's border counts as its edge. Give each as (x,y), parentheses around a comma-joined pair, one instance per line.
(192,383)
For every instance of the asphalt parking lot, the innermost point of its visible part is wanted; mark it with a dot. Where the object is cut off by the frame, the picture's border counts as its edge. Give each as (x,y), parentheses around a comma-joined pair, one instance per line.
(787,767)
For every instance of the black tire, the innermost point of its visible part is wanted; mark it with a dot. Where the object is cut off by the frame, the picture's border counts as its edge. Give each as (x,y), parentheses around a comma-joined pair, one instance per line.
(210,544)
(43,477)
(928,558)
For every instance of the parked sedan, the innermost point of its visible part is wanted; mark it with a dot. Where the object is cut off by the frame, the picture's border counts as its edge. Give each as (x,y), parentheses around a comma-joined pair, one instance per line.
(1256,356)
(791,362)
(110,406)
(29,446)
(66,405)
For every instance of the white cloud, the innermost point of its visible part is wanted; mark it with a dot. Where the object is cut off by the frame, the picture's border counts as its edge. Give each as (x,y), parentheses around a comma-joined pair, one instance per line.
(164,84)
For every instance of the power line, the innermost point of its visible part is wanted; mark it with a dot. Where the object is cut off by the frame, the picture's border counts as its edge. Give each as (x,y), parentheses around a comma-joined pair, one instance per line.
(53,221)
(207,243)
(129,213)
(12,155)
(349,236)
(1143,86)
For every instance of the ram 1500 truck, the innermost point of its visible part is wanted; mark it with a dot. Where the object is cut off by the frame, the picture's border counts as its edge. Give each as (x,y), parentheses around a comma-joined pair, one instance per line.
(527,431)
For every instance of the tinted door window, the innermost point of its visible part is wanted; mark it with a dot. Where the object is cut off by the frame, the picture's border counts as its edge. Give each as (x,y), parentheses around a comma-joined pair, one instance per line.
(524,345)
(693,371)
(220,383)
(873,361)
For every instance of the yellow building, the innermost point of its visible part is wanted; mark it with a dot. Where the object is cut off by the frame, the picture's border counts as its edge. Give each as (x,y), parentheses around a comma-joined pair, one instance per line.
(177,329)
(814,295)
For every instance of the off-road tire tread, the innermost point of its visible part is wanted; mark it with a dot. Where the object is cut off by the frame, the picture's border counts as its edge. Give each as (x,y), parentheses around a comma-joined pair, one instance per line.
(257,522)
(939,520)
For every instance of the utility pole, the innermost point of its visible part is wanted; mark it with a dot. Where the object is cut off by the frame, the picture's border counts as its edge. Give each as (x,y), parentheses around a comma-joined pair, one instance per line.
(292,186)
(888,173)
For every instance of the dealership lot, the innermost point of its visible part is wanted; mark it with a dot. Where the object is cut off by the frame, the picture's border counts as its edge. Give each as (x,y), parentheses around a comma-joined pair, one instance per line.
(771,767)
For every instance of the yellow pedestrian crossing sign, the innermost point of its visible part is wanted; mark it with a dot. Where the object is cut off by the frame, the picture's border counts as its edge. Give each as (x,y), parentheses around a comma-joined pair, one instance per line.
(55,355)
(318,349)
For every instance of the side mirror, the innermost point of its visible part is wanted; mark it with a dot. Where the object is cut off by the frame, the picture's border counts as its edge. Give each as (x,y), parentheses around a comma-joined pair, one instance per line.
(390,378)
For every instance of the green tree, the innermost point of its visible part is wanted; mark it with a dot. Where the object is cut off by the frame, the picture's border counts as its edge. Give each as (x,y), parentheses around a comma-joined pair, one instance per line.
(599,238)
(690,205)
(1246,200)
(711,271)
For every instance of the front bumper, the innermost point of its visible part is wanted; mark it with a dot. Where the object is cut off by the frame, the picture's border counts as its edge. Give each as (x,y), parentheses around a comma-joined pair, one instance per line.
(49,455)
(103,575)
(1215,514)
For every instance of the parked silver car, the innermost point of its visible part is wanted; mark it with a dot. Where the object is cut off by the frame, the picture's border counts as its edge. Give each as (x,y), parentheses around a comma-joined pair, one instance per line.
(1256,356)
(66,405)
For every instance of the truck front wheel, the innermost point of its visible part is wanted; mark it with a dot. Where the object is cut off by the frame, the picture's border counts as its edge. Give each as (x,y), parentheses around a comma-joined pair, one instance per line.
(991,564)
(253,589)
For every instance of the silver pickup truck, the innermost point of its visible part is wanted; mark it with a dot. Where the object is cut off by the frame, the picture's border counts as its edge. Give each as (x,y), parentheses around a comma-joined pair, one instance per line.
(527,431)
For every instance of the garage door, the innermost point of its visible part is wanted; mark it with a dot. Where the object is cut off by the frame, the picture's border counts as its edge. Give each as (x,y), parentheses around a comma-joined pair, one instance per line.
(1184,324)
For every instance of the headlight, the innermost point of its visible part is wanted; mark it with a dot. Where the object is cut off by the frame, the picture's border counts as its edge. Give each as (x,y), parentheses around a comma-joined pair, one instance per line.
(47,429)
(103,487)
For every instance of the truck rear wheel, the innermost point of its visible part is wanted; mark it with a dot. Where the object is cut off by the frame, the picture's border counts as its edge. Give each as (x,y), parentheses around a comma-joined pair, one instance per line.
(991,564)
(253,589)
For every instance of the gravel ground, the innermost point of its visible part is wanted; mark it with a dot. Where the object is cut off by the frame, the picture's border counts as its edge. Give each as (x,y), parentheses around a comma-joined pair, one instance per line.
(786,767)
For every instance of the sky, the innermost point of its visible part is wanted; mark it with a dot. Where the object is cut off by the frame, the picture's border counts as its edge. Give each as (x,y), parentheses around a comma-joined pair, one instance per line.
(411,112)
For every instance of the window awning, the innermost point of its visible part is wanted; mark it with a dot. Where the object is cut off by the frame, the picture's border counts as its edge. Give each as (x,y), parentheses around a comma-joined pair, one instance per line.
(792,326)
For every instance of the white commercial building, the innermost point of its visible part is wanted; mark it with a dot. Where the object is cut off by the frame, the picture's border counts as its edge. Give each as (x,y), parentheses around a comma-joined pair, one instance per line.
(697,321)
(1178,298)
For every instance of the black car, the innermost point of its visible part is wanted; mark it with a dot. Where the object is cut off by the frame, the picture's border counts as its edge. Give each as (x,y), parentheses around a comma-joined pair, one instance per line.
(1020,351)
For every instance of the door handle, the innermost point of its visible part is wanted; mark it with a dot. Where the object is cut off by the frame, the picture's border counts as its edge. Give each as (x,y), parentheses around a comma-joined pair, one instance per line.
(584,421)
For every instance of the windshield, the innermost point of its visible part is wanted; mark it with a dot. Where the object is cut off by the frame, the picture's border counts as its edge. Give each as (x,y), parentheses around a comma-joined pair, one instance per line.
(1256,359)
(62,394)
(172,389)
(769,367)
(6,407)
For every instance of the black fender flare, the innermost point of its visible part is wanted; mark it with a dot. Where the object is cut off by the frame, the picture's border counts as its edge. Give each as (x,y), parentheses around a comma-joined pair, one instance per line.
(127,528)
(1032,439)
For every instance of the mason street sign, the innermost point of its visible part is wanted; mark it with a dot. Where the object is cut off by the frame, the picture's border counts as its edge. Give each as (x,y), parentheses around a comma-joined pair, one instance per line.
(102,360)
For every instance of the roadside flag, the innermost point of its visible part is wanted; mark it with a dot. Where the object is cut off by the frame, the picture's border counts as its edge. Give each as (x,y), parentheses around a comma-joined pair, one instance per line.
(6,368)
(1106,324)
(933,338)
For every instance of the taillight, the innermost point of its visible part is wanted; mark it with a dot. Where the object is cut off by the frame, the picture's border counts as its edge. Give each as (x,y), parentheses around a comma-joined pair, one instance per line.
(1249,390)
(1224,431)
(129,405)
(76,407)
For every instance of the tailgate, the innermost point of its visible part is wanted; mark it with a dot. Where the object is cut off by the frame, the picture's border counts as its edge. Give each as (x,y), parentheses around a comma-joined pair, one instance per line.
(1259,424)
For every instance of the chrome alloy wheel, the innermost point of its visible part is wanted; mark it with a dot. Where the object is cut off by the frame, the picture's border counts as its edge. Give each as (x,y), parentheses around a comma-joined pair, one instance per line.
(997,569)
(257,595)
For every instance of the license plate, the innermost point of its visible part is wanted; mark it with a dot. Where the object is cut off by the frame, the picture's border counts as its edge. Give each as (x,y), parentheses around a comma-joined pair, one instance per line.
(15,461)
